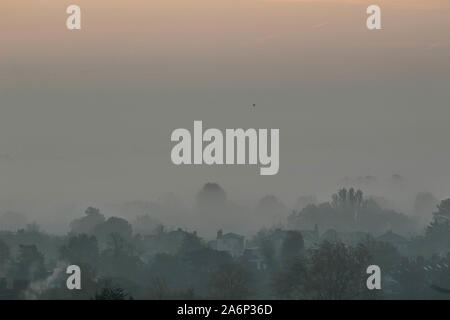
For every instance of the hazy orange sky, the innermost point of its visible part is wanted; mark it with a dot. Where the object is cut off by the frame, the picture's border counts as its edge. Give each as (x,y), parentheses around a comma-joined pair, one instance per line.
(33,33)
(86,115)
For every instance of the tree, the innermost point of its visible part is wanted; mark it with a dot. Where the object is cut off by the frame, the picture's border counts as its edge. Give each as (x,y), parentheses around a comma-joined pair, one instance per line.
(268,253)
(88,223)
(424,204)
(80,248)
(159,290)
(290,282)
(337,271)
(437,234)
(304,201)
(211,194)
(112,293)
(230,282)
(118,246)
(30,263)
(349,211)
(171,269)
(278,246)
(120,259)
(411,276)
(144,224)
(113,225)
(442,216)
(190,243)
(199,264)
(382,254)
(271,211)
(292,246)
(5,253)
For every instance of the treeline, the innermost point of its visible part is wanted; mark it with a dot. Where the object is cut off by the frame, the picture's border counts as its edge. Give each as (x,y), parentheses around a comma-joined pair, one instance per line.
(321,253)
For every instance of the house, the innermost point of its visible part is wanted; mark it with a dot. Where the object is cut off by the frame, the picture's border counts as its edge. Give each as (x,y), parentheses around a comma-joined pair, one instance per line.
(165,242)
(229,242)
(253,257)
(277,238)
(396,240)
(310,237)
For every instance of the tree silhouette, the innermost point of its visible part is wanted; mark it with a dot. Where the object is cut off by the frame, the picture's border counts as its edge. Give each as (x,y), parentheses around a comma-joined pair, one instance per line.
(230,282)
(80,248)
(5,253)
(112,293)
(337,271)
(87,223)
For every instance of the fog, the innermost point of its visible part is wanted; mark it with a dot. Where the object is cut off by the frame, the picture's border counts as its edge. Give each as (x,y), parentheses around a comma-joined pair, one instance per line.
(86,176)
(87,117)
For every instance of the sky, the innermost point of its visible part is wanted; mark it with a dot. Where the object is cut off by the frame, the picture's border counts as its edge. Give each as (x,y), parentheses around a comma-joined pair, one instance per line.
(86,116)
